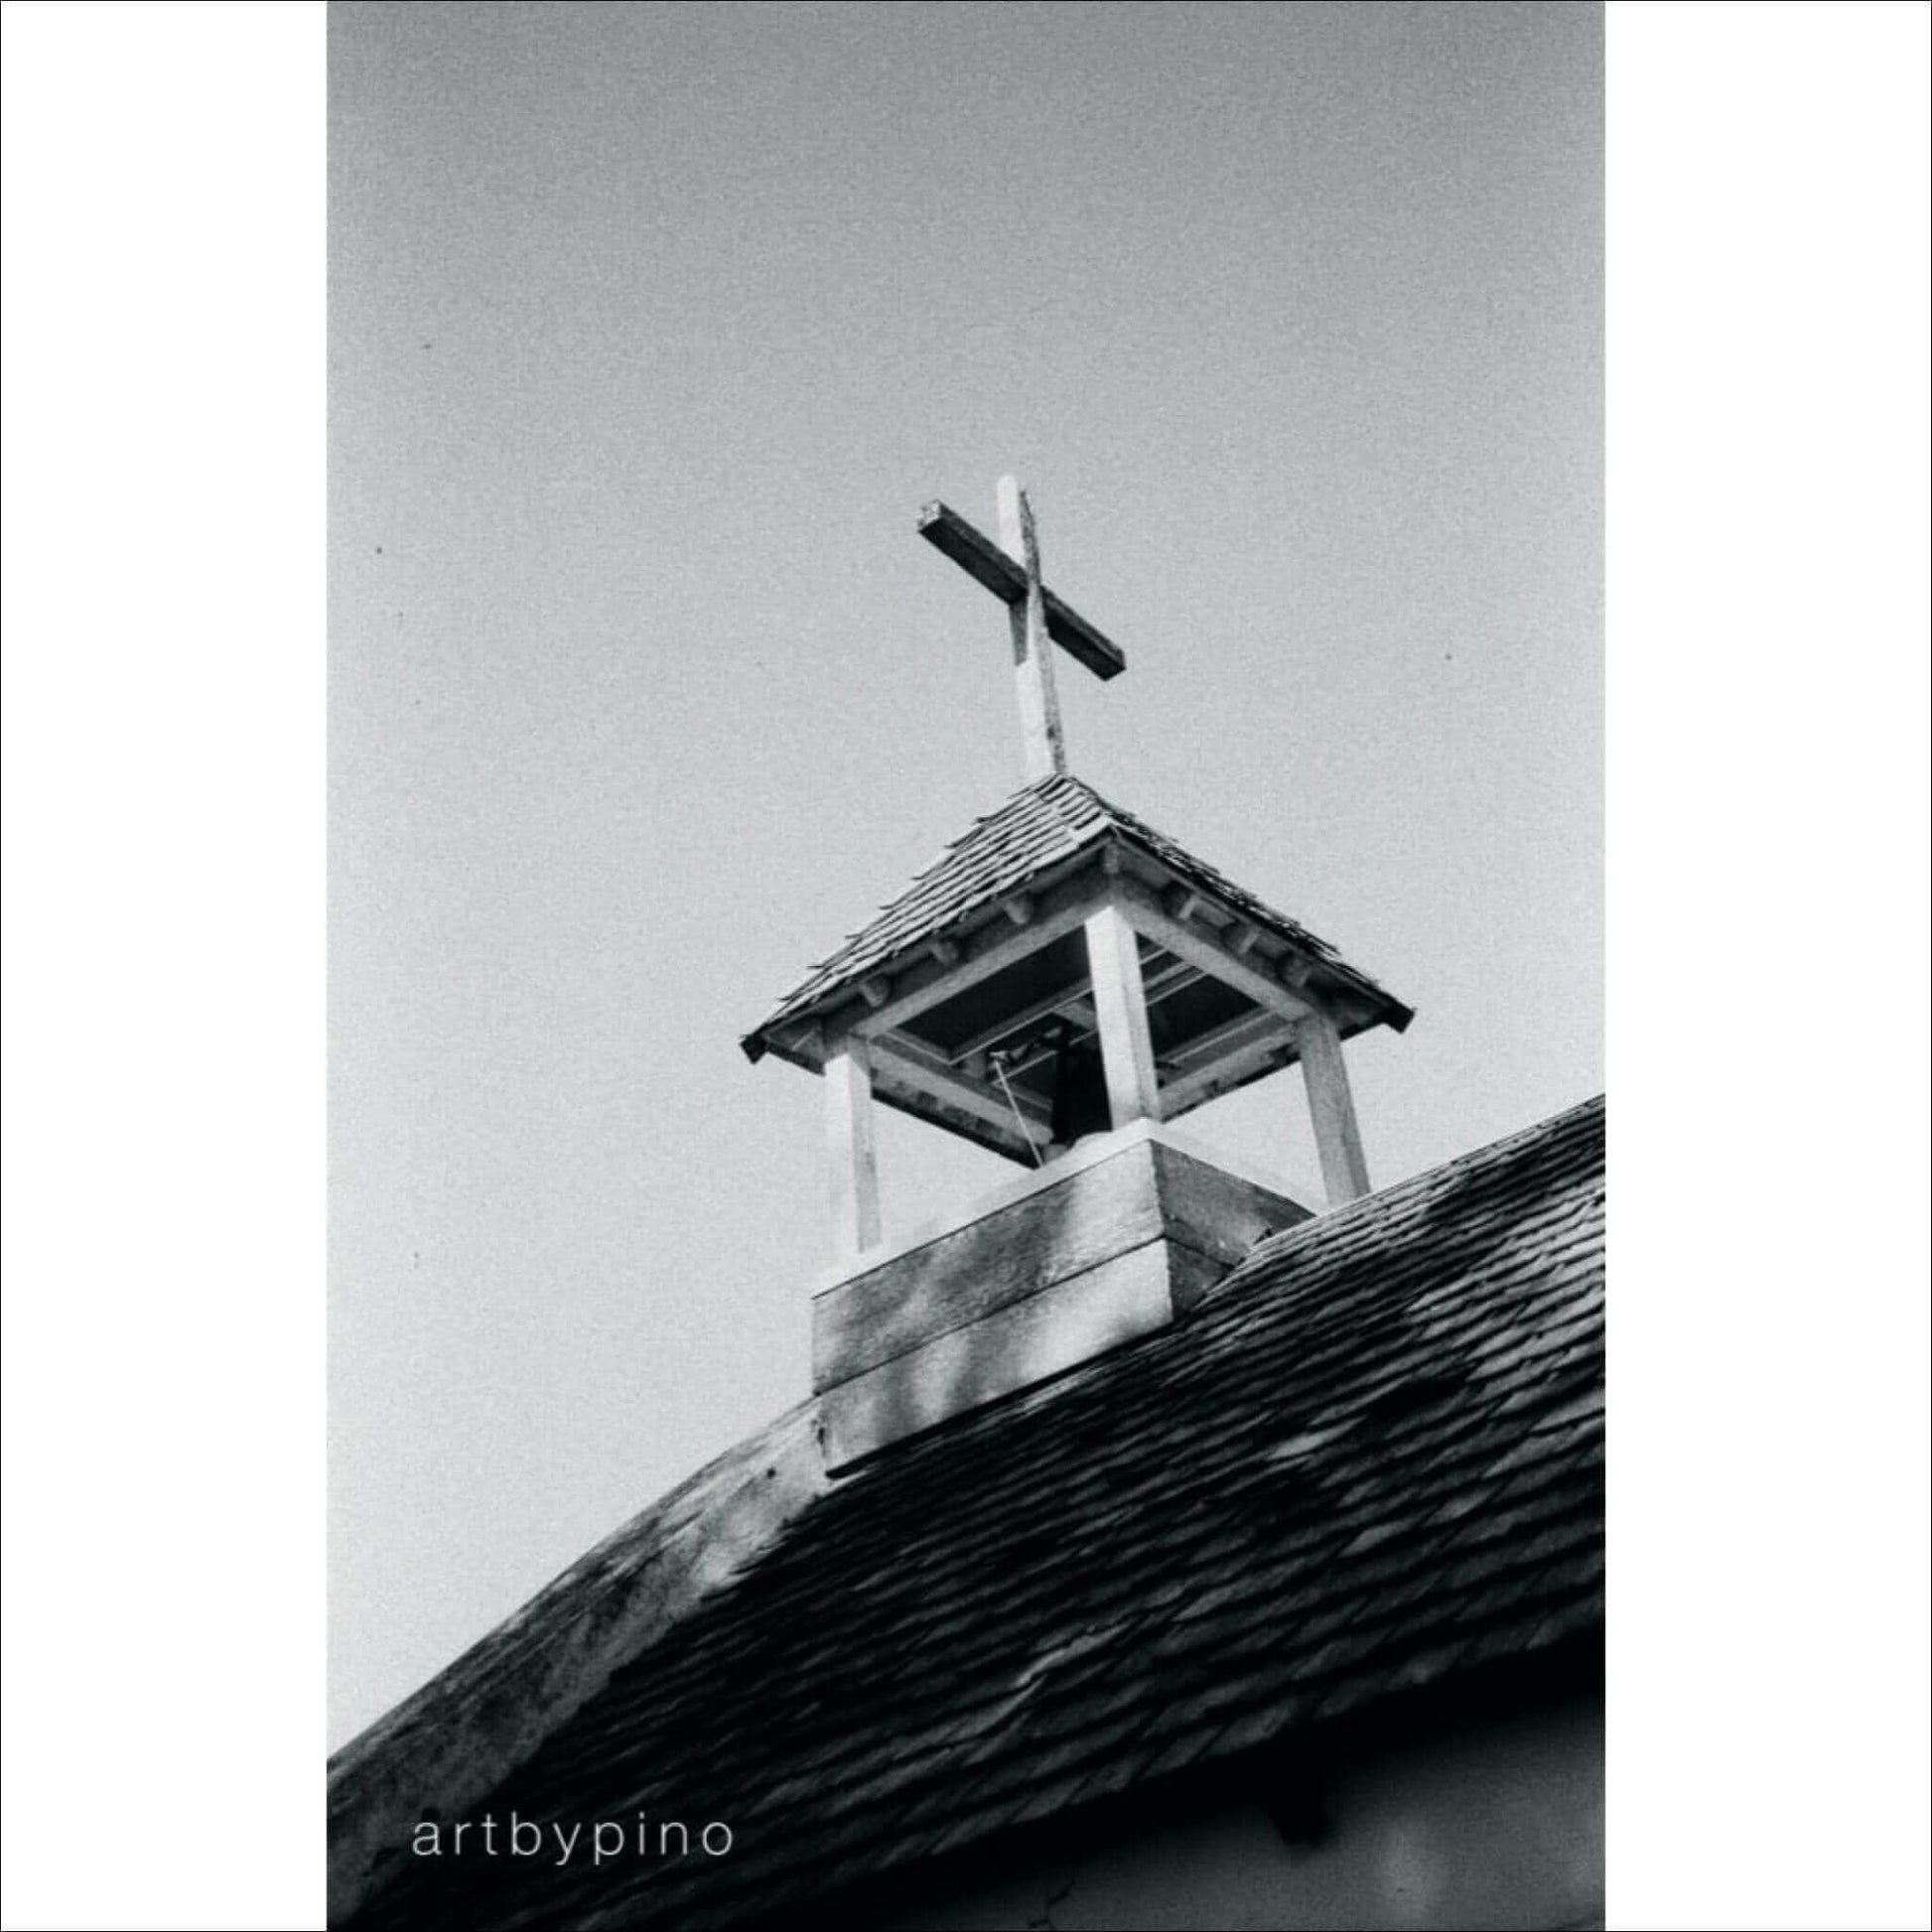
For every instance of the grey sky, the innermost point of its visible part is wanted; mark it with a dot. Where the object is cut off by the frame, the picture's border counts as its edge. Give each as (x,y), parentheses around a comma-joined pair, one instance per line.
(652,329)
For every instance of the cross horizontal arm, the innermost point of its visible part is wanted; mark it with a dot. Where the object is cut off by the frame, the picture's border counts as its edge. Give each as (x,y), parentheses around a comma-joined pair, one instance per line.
(981,559)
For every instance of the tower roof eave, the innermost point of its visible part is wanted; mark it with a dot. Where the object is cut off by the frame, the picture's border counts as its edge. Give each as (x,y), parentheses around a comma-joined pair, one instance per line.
(1042,831)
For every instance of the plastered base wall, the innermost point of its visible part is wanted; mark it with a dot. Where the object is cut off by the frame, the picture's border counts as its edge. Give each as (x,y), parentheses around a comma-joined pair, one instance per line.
(1501,1826)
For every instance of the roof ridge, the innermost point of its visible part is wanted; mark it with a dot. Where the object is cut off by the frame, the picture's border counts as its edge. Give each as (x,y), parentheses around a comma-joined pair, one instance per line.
(1039,786)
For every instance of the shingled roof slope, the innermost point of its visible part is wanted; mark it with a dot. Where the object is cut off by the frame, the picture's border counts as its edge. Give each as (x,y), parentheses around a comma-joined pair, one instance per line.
(1369,1462)
(1040,827)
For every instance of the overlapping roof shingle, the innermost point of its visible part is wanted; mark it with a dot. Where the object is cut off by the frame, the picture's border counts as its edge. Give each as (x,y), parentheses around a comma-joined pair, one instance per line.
(1371,1459)
(1038,828)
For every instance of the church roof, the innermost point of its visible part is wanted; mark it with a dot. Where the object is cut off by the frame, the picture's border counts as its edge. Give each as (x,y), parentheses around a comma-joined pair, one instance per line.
(1040,829)
(1369,1462)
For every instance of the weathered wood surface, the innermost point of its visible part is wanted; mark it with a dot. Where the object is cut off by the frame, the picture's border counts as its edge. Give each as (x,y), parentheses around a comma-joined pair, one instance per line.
(1233,1066)
(850,1149)
(1192,943)
(1146,1191)
(1011,1348)
(1332,1108)
(1016,1251)
(1120,1003)
(986,562)
(1049,1281)
(909,1072)
(1074,1003)
(986,950)
(1033,654)
(1217,1213)
(1039,835)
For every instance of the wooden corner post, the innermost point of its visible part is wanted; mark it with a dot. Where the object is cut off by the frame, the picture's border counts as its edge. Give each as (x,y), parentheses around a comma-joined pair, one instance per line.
(1331,1109)
(1120,1004)
(849,1146)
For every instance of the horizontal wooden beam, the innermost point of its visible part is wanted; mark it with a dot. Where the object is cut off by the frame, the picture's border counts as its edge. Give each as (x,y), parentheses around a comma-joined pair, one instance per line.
(1058,1001)
(984,561)
(903,1064)
(1228,1057)
(1150,918)
(1236,1036)
(1072,1002)
(902,1097)
(1222,1075)
(985,952)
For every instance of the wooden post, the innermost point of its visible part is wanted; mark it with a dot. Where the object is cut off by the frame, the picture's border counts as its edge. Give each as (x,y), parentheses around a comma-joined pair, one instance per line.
(1120,1004)
(849,1142)
(1338,1140)
(1032,651)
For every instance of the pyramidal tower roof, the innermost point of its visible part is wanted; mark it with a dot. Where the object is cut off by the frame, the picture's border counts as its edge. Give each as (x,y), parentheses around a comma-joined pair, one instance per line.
(1037,838)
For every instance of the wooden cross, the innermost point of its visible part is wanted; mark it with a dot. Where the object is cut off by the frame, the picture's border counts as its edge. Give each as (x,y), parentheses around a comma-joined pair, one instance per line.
(1010,569)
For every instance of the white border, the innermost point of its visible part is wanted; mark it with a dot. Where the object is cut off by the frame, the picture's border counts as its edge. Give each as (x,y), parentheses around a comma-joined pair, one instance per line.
(1768,511)
(164,484)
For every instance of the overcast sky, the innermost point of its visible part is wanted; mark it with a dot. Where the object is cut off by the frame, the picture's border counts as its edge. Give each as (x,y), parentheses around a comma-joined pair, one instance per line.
(652,328)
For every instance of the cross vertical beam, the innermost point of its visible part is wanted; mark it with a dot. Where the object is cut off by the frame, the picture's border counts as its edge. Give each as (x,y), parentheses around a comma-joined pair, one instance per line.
(848,1143)
(1120,1004)
(1331,1109)
(1032,656)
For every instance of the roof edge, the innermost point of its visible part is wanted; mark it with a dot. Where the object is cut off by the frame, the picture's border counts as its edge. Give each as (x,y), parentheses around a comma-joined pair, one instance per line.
(454,1741)
(1122,829)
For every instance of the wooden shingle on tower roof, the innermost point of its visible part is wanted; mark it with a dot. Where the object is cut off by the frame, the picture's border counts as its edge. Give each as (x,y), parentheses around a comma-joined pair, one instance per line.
(973,956)
(1025,843)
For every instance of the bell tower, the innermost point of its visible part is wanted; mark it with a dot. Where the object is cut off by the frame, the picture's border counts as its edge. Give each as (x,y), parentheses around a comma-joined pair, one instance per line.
(1060,986)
